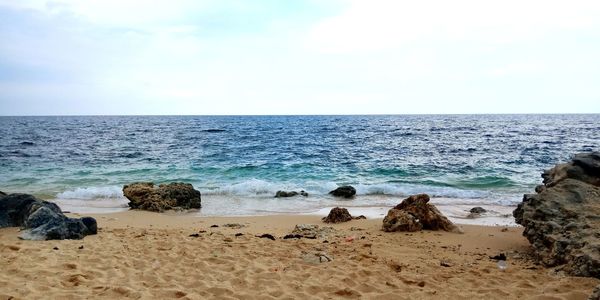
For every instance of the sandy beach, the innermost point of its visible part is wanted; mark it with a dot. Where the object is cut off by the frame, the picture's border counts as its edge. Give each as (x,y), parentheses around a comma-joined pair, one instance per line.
(145,255)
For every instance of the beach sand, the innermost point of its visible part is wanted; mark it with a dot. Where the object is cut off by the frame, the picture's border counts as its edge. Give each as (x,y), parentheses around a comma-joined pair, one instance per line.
(152,256)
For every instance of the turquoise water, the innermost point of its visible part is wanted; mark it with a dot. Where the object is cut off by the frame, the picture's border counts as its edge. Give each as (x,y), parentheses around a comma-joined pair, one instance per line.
(462,158)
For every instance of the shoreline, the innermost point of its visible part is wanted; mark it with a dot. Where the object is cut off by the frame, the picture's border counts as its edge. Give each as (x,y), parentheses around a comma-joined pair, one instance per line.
(139,254)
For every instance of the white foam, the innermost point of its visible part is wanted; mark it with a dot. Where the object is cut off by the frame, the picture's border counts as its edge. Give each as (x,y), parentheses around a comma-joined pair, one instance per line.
(92,193)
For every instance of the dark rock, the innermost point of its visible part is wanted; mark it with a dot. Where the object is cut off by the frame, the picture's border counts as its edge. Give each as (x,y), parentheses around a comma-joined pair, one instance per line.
(361,217)
(42,220)
(2,194)
(80,247)
(562,220)
(344,191)
(283,194)
(239,234)
(266,236)
(477,210)
(55,248)
(414,212)
(500,256)
(145,196)
(292,236)
(194,235)
(337,215)
(214,226)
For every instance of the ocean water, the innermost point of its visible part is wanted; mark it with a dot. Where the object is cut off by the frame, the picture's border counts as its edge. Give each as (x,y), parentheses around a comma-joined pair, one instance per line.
(239,162)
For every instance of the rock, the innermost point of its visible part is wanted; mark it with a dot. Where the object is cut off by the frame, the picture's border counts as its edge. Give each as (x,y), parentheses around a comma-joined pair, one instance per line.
(398,220)
(234,225)
(2,194)
(283,194)
(310,231)
(595,294)
(42,220)
(145,196)
(500,256)
(266,236)
(562,220)
(337,215)
(477,210)
(415,213)
(344,191)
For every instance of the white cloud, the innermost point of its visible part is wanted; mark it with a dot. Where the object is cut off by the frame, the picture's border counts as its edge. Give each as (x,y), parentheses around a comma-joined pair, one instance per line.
(383,24)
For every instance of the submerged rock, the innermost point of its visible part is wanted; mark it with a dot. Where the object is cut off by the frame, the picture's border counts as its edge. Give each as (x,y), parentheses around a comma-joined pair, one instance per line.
(338,215)
(414,211)
(346,191)
(284,194)
(477,210)
(176,195)
(42,220)
(562,220)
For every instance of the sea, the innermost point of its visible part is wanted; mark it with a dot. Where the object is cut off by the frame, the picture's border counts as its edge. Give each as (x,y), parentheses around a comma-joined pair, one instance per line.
(238,163)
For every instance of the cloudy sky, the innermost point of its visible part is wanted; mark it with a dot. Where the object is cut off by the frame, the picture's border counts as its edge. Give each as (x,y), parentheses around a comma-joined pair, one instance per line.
(299,57)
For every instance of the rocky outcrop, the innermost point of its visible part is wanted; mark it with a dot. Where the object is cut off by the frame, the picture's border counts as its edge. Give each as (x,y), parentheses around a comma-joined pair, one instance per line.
(42,220)
(146,196)
(312,231)
(284,194)
(346,191)
(562,220)
(415,213)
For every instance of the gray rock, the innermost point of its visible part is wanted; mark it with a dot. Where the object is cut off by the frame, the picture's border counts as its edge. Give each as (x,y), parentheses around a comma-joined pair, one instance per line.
(562,220)
(176,195)
(42,220)
(311,231)
(346,191)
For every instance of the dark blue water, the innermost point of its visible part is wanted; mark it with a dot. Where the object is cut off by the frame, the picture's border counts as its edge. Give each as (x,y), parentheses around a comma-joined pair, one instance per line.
(491,157)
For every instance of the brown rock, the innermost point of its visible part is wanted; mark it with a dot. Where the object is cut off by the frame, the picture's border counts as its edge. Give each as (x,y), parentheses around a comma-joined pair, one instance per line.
(146,196)
(338,215)
(399,220)
(427,214)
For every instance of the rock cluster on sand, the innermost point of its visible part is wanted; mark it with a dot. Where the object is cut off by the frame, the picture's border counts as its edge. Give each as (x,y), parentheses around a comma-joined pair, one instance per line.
(562,221)
(176,195)
(346,191)
(42,220)
(415,213)
(284,194)
(312,231)
(340,215)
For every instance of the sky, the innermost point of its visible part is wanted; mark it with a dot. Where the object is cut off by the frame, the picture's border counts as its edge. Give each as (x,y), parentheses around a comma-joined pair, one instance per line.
(263,57)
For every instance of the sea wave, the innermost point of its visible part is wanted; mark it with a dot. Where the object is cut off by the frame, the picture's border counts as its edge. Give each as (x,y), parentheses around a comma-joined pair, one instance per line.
(92,193)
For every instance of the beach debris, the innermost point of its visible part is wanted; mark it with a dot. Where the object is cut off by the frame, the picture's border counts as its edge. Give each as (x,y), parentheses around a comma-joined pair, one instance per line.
(356,228)
(238,234)
(285,194)
(350,239)
(312,231)
(500,256)
(266,236)
(55,248)
(42,220)
(445,263)
(504,229)
(502,265)
(228,240)
(234,225)
(561,219)
(80,247)
(175,195)
(316,257)
(194,235)
(337,215)
(214,226)
(396,267)
(345,191)
(415,213)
